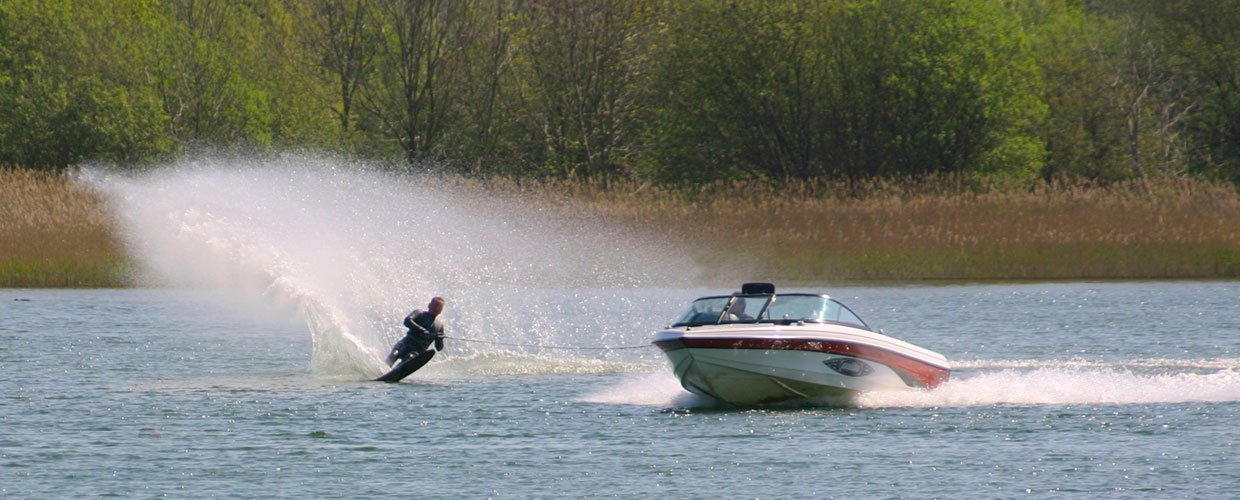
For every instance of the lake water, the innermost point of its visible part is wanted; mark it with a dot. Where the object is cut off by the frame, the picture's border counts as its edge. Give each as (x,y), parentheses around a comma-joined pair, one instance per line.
(272,288)
(1063,390)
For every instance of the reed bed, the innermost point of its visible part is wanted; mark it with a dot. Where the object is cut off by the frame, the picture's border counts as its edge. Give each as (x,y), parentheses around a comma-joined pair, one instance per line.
(55,233)
(939,228)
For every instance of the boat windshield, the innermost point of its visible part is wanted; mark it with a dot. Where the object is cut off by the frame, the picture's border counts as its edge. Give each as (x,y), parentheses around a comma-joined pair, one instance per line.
(784,309)
(812,308)
(704,311)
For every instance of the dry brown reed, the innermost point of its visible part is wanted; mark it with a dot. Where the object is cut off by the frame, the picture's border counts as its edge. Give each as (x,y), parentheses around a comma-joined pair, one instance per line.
(54,232)
(938,228)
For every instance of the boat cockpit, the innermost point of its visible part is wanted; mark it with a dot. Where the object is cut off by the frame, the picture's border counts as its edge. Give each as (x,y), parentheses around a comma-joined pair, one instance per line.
(784,309)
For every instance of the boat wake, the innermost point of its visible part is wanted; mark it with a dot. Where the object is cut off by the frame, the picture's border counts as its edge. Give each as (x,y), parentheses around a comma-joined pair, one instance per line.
(1150,365)
(1142,381)
(658,389)
(992,383)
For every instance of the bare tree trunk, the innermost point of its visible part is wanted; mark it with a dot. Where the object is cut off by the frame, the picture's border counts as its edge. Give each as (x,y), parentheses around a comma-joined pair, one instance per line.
(344,49)
(1144,84)
(416,85)
(581,80)
(1134,143)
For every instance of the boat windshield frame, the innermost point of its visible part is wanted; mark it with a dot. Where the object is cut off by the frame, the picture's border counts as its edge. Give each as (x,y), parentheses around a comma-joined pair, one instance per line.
(709,316)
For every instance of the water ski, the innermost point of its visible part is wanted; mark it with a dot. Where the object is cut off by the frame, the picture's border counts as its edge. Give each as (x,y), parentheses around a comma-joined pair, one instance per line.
(407,367)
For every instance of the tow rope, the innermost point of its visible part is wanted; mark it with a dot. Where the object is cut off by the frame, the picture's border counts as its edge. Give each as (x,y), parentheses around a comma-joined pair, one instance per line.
(544,346)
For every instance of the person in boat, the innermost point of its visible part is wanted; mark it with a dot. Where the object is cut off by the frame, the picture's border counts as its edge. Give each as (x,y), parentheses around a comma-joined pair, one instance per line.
(424,328)
(737,311)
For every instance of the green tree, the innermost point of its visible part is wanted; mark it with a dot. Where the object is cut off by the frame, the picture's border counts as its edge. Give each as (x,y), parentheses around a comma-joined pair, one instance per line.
(71,83)
(343,42)
(414,96)
(484,137)
(859,88)
(1147,91)
(1204,34)
(198,76)
(1082,127)
(232,75)
(275,64)
(582,82)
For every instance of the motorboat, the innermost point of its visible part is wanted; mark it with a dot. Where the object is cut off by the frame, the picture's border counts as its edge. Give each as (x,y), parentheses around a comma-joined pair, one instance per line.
(757,347)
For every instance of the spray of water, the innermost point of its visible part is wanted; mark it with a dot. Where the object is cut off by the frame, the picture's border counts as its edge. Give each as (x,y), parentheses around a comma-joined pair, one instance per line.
(352,249)
(1064,385)
(1006,382)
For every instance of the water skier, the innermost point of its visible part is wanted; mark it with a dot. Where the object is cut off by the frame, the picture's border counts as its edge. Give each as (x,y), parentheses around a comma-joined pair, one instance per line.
(424,329)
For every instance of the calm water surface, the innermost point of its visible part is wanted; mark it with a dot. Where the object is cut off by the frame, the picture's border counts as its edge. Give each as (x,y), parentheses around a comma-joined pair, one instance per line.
(1080,390)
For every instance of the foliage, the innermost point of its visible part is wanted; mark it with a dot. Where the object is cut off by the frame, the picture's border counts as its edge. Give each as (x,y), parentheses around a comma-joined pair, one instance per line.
(228,76)
(801,89)
(580,79)
(1202,34)
(1081,130)
(673,91)
(68,88)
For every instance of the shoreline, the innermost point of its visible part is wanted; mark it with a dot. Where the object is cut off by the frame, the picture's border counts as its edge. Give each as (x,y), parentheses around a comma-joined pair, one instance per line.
(55,233)
(780,284)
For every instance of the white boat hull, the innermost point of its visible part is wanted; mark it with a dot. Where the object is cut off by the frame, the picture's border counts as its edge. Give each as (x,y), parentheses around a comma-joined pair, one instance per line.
(729,375)
(748,367)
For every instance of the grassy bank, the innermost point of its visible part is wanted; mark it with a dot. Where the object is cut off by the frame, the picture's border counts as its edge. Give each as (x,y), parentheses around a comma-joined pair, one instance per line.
(56,233)
(936,229)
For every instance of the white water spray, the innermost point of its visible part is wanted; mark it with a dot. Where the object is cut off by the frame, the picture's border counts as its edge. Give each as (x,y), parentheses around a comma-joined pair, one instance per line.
(1006,382)
(1075,384)
(353,249)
